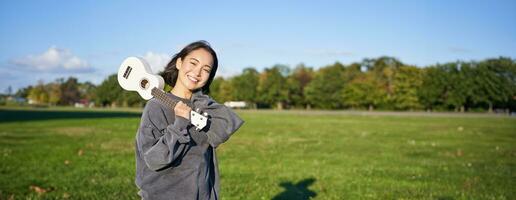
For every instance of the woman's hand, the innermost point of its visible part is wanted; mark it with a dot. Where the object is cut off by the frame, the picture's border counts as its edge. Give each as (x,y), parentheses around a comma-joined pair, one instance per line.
(182,110)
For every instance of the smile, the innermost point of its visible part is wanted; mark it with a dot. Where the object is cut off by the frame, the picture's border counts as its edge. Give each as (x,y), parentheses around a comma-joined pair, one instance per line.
(192,79)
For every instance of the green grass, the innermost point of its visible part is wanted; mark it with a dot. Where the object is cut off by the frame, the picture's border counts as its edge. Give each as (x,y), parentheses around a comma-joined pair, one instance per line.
(80,154)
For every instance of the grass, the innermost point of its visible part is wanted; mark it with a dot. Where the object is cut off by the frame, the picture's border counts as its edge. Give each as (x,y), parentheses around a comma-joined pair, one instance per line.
(80,154)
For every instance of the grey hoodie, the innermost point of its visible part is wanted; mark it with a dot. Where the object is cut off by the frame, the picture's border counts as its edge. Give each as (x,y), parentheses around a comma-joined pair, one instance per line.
(173,159)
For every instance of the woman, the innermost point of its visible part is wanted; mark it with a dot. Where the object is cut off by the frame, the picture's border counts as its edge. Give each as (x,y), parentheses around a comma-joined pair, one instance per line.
(174,160)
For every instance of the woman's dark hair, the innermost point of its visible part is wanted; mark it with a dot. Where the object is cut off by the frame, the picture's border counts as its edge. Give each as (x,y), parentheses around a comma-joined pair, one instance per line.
(170,72)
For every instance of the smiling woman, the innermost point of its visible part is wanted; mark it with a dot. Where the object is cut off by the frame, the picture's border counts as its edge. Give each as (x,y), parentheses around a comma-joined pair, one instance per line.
(174,160)
(198,55)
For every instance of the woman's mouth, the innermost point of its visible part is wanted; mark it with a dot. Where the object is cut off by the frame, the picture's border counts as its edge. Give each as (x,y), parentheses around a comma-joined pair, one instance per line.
(192,79)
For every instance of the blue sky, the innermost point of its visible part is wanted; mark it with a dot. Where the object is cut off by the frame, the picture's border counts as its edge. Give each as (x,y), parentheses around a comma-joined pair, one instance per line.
(44,40)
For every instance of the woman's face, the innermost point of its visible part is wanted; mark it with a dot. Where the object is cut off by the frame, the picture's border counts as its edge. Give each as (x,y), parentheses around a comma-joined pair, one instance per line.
(194,69)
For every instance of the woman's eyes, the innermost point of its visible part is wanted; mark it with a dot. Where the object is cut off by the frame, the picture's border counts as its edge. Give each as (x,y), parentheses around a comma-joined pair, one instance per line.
(206,69)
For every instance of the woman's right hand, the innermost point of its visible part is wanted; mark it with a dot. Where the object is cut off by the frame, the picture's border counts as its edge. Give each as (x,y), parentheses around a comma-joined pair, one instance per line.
(182,110)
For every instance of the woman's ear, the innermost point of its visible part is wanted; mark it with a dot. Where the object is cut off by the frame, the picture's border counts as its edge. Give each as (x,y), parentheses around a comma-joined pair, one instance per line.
(179,62)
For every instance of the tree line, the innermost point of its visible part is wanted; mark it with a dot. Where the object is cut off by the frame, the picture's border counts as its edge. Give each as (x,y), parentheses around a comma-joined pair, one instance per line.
(383,83)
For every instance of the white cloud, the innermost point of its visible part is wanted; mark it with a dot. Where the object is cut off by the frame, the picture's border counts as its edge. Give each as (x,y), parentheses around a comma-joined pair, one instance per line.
(157,61)
(53,60)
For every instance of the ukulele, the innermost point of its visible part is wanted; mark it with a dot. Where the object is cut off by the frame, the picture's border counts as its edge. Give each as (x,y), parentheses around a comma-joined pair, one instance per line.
(135,74)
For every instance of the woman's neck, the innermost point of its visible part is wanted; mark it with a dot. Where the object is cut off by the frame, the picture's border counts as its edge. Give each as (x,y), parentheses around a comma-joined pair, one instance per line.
(181,92)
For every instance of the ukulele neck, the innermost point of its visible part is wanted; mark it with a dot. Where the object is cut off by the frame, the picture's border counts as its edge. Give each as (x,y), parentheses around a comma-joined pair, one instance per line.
(162,96)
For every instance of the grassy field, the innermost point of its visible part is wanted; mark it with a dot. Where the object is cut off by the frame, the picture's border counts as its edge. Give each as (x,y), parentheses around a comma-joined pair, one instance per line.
(79,154)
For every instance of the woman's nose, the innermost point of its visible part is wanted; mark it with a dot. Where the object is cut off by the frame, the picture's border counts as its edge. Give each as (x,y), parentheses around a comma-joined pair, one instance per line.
(197,71)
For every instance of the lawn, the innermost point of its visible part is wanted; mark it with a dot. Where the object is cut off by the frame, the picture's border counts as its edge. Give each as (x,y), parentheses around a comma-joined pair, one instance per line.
(81,154)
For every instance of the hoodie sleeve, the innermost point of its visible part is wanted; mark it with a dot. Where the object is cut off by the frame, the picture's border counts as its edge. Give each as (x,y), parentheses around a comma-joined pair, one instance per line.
(223,122)
(159,143)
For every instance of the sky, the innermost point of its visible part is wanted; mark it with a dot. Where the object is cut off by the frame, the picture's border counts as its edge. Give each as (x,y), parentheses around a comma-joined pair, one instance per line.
(45,40)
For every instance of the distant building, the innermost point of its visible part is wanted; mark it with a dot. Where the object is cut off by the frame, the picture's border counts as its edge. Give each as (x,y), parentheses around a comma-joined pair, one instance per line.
(83,103)
(236,104)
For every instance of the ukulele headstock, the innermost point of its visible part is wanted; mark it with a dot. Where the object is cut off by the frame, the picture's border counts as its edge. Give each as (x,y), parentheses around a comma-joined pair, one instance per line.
(198,118)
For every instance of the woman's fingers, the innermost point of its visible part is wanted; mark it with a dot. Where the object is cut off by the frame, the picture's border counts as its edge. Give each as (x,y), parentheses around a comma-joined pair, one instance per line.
(182,110)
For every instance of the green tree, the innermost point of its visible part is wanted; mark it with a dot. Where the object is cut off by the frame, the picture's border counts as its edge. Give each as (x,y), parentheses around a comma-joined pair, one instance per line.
(87,90)
(215,88)
(245,85)
(54,93)
(130,98)
(362,92)
(494,82)
(455,96)
(272,86)
(384,70)
(433,87)
(109,92)
(226,91)
(23,92)
(221,90)
(38,94)
(324,90)
(70,91)
(406,82)
(296,84)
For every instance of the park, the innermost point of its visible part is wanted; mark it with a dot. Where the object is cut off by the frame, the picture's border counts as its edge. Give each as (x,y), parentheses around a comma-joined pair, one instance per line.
(258,100)
(70,153)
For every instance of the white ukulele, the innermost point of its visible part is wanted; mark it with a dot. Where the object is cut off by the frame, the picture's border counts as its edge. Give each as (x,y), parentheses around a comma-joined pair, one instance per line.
(135,74)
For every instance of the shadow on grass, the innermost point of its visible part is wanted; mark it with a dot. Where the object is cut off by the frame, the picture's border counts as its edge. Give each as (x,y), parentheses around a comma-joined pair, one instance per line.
(31,115)
(296,190)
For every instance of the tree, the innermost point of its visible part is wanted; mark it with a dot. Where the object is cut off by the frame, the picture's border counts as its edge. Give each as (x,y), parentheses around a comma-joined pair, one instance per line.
(130,98)
(54,93)
(362,92)
(406,82)
(324,90)
(38,94)
(272,86)
(215,88)
(296,84)
(221,90)
(494,82)
(433,87)
(87,90)
(226,91)
(109,92)
(384,70)
(245,85)
(23,92)
(70,91)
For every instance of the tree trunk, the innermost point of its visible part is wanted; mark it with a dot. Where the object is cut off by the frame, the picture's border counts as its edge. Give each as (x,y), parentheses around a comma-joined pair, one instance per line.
(490,108)
(279,105)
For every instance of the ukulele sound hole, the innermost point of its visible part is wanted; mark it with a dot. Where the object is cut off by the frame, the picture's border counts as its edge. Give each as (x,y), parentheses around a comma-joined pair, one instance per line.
(144,84)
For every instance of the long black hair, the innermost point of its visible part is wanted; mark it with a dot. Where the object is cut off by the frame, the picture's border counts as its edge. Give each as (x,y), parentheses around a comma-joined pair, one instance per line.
(170,73)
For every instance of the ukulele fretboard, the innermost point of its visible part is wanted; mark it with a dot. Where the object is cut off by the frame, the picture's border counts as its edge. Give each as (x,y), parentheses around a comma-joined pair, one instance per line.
(160,95)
